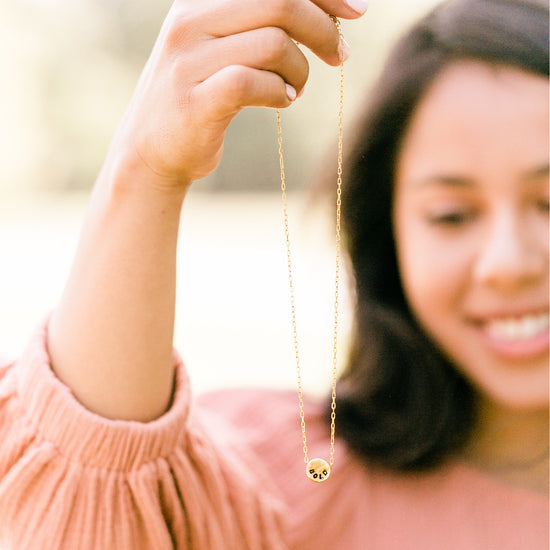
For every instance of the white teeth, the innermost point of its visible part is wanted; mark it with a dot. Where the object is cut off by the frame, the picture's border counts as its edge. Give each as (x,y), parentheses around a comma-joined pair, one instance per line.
(521,328)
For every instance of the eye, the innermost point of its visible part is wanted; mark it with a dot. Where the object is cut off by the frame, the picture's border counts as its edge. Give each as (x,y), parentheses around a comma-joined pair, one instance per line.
(542,205)
(452,218)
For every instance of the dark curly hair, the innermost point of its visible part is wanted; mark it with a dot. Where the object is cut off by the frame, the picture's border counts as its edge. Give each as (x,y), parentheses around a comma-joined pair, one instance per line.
(400,402)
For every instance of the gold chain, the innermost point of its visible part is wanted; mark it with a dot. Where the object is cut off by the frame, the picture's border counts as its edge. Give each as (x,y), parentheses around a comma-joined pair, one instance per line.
(317,469)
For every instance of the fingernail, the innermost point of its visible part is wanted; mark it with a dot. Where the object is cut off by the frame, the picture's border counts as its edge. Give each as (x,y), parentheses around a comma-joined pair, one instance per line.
(346,50)
(290,92)
(359,6)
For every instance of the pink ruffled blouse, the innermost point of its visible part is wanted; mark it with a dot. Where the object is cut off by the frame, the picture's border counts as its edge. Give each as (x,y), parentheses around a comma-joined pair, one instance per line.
(224,472)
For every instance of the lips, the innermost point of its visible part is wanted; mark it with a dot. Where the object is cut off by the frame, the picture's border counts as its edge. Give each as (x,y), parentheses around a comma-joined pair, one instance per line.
(518,329)
(524,337)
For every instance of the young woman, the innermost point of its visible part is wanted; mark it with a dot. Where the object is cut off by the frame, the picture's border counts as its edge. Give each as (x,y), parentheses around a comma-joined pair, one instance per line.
(443,411)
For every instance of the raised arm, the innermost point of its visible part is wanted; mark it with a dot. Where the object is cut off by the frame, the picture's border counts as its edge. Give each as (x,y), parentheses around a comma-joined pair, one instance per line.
(110,338)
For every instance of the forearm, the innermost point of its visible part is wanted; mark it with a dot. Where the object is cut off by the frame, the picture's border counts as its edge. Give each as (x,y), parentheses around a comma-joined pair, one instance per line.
(110,339)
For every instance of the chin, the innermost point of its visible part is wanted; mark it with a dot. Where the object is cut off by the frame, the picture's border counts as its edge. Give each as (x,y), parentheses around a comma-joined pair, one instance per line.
(531,396)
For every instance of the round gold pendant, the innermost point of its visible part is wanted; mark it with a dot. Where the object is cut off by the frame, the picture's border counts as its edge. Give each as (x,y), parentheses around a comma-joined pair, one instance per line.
(318,470)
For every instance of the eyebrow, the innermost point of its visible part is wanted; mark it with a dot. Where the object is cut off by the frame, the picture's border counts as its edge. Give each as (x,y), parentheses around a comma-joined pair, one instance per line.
(539,172)
(464,181)
(450,181)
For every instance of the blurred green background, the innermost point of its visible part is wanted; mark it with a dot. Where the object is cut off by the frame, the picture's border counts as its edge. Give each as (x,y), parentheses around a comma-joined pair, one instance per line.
(68,71)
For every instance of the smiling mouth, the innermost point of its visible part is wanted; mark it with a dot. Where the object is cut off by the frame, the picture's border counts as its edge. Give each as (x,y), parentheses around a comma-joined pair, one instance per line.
(523,337)
(517,329)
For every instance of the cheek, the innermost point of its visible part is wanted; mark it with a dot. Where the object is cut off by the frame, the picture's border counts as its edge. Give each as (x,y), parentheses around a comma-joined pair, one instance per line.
(434,271)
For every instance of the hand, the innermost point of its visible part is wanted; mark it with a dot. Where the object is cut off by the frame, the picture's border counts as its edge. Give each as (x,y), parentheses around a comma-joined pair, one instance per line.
(211,59)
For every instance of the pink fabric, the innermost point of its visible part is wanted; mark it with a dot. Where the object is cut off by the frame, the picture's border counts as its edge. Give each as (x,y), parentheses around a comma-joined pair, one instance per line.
(224,473)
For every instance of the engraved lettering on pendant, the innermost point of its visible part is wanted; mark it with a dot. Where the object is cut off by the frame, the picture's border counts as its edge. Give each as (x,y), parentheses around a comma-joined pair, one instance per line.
(318,470)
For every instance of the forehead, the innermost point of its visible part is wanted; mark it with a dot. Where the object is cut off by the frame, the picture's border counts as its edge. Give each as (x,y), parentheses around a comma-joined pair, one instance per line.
(475,116)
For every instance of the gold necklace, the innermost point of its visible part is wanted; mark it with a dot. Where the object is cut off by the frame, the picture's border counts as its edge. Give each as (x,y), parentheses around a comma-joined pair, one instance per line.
(317,469)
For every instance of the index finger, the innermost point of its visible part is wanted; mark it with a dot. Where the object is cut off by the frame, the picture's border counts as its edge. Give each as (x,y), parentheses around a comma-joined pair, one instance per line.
(346,9)
(303,20)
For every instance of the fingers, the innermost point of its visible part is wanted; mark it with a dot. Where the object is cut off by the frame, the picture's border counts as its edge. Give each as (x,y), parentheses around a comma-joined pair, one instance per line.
(268,49)
(219,98)
(346,9)
(303,20)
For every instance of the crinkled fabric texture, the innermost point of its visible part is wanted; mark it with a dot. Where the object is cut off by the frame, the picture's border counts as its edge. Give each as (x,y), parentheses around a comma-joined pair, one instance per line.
(224,473)
(70,479)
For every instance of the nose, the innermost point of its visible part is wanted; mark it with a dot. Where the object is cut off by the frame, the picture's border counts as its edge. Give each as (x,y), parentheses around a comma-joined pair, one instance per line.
(513,253)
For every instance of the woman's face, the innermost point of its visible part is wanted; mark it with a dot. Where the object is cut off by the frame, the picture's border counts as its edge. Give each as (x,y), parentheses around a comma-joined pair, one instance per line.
(471,226)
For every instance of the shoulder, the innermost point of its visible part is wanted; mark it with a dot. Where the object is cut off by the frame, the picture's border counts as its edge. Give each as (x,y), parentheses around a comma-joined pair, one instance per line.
(267,422)
(255,407)
(267,425)
(264,417)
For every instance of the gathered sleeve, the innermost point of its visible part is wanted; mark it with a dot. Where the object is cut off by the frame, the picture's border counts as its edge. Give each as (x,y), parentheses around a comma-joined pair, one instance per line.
(72,479)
